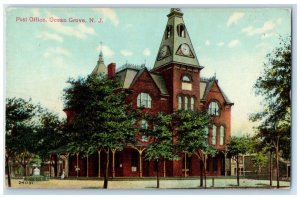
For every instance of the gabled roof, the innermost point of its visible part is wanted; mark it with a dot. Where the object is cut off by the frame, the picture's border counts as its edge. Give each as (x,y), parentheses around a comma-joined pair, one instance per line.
(205,86)
(128,77)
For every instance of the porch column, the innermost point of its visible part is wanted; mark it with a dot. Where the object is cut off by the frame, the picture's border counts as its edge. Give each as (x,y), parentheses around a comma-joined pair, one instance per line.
(113,163)
(87,165)
(225,154)
(164,168)
(99,165)
(77,169)
(67,165)
(58,158)
(185,165)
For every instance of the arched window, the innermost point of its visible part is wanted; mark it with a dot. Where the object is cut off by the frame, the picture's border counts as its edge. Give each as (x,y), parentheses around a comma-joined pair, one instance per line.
(181,30)
(214,135)
(192,103)
(186,78)
(186,103)
(168,32)
(222,134)
(213,108)
(144,125)
(144,100)
(179,102)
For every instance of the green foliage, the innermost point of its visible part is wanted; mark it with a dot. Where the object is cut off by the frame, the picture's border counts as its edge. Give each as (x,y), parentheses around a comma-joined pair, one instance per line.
(51,134)
(102,118)
(36,178)
(239,145)
(274,85)
(260,159)
(191,131)
(161,145)
(21,129)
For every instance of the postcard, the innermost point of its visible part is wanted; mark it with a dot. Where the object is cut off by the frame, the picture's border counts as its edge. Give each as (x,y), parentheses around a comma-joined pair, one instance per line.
(148,98)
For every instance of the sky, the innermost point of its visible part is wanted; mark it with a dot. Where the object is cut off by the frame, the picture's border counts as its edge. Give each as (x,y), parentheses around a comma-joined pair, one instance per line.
(229,42)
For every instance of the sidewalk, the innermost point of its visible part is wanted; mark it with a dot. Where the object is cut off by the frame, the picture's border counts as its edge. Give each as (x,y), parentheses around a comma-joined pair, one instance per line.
(144,184)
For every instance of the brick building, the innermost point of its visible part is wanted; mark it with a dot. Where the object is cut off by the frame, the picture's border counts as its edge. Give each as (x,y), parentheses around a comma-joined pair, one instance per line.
(173,83)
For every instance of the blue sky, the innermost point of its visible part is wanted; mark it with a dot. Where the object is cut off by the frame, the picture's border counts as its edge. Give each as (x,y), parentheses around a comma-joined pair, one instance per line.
(230,42)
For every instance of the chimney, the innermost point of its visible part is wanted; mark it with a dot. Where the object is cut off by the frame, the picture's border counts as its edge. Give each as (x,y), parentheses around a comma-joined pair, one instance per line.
(111,70)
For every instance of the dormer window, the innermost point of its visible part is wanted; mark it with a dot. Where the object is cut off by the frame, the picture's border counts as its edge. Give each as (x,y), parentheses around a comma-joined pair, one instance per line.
(168,32)
(181,30)
(144,100)
(214,109)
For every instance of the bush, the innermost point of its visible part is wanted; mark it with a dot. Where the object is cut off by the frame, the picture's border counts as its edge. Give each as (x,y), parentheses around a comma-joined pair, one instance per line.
(36,178)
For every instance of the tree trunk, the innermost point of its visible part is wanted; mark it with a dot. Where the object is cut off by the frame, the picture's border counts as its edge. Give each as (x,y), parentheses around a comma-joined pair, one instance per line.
(105,184)
(271,177)
(157,176)
(277,166)
(237,171)
(205,171)
(8,172)
(201,172)
(55,166)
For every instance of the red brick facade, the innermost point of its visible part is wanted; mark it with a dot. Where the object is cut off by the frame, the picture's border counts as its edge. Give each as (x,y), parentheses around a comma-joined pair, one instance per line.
(165,84)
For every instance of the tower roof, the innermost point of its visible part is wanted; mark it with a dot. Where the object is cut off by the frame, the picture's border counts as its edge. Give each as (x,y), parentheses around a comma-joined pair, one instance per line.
(100,67)
(176,45)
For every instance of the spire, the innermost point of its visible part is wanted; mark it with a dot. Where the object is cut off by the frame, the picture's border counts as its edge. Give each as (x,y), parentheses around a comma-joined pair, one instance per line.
(100,67)
(176,45)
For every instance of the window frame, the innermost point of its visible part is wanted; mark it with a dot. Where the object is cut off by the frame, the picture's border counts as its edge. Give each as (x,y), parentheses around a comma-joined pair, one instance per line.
(212,109)
(222,137)
(144,100)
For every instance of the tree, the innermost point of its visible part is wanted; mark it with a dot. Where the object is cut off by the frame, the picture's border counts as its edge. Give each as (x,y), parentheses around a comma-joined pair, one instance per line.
(21,131)
(161,146)
(236,147)
(102,119)
(274,85)
(51,135)
(192,137)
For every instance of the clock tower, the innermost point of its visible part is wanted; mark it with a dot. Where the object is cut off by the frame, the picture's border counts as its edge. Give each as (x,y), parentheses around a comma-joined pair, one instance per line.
(177,62)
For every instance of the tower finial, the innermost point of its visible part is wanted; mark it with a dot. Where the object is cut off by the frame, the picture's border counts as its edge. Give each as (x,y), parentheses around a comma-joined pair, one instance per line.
(101,54)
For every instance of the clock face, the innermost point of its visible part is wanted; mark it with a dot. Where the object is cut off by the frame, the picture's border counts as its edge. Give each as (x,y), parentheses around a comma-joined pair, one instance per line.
(185,49)
(163,51)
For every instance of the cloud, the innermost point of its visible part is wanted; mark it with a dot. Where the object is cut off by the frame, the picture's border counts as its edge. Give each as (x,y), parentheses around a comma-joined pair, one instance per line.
(126,53)
(110,14)
(267,26)
(50,36)
(35,12)
(263,45)
(207,43)
(80,31)
(279,21)
(57,51)
(220,44)
(146,52)
(107,51)
(234,18)
(233,43)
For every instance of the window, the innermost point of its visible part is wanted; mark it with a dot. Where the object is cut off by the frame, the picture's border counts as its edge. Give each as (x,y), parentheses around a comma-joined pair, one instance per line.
(181,30)
(144,100)
(186,102)
(179,102)
(213,108)
(214,135)
(168,32)
(222,135)
(144,125)
(186,78)
(192,103)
